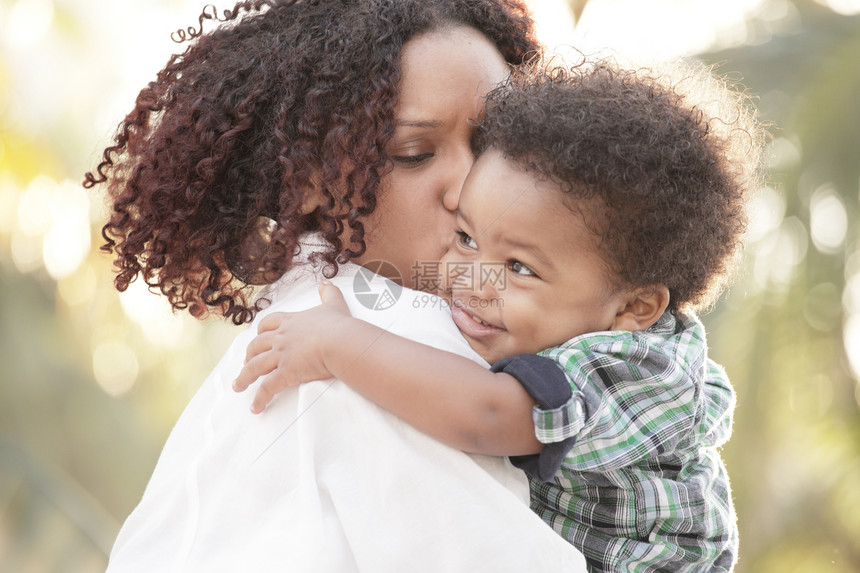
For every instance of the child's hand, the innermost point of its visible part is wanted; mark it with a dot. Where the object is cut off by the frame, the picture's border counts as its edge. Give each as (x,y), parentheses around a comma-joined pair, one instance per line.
(290,347)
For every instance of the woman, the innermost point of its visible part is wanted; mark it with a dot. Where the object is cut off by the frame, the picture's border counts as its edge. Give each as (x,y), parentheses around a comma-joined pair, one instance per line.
(310,138)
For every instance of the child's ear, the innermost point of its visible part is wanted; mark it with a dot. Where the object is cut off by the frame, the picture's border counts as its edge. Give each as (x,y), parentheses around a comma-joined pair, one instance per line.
(642,307)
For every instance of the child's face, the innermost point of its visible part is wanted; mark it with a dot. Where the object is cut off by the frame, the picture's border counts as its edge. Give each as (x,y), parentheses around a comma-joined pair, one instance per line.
(524,272)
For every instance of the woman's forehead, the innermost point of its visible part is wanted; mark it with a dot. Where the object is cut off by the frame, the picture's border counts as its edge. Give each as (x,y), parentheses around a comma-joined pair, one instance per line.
(445,70)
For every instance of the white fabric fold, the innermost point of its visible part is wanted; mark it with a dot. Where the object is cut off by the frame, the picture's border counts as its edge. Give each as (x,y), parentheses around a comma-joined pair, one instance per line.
(325,480)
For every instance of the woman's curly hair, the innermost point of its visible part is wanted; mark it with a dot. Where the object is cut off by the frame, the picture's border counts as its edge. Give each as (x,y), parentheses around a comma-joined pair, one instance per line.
(661,167)
(207,174)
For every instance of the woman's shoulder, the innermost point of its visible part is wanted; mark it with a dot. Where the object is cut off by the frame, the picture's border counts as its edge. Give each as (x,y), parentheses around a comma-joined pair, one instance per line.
(412,314)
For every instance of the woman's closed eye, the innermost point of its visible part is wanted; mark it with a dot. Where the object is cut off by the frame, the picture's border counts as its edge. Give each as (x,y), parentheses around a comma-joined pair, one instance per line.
(521,269)
(412,160)
(466,240)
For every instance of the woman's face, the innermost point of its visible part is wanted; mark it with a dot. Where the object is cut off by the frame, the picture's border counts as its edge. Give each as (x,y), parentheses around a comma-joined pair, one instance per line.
(446,75)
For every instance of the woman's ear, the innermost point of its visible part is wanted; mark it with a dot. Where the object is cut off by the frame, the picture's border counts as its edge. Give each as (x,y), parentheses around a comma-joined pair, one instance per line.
(312,198)
(641,308)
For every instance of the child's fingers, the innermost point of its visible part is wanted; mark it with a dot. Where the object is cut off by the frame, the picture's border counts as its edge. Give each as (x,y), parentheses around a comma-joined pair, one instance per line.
(257,366)
(331,295)
(272,321)
(259,344)
(273,383)
(262,398)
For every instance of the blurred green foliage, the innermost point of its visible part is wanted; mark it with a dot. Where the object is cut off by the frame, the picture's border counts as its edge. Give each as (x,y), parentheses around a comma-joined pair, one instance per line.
(788,337)
(92,382)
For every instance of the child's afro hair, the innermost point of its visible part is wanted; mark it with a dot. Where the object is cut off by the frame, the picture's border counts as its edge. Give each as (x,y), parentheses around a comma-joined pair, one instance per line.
(668,163)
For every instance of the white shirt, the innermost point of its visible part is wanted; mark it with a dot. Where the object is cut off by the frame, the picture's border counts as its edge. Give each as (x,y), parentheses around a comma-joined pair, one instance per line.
(325,480)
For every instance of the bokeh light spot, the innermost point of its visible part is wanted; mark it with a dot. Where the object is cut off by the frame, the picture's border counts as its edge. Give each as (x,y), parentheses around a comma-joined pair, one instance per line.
(153,314)
(851,339)
(783,153)
(851,294)
(68,240)
(779,254)
(766,211)
(115,367)
(26,252)
(29,21)
(828,220)
(845,7)
(34,207)
(79,287)
(8,205)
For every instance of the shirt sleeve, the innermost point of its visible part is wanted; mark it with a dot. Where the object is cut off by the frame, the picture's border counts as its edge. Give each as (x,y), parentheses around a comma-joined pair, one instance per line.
(627,400)
(639,400)
(547,383)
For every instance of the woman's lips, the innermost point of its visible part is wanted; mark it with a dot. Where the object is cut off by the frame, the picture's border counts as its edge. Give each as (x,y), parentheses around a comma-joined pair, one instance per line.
(471,325)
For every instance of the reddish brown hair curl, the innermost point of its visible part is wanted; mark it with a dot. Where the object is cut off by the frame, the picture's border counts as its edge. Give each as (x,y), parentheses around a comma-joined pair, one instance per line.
(281,97)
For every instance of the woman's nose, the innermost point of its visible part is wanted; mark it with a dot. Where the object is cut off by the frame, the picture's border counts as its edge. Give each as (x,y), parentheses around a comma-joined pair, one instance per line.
(460,166)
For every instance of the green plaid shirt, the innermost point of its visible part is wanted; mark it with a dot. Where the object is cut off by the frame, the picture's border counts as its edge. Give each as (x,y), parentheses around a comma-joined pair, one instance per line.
(641,486)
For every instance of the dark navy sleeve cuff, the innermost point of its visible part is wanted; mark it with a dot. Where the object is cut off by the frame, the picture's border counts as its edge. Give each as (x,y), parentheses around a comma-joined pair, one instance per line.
(546,382)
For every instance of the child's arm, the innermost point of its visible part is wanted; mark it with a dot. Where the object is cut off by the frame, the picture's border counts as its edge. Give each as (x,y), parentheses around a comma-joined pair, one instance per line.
(442,394)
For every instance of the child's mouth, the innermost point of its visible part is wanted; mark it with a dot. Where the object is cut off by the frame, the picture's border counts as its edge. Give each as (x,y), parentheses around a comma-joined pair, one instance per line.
(471,325)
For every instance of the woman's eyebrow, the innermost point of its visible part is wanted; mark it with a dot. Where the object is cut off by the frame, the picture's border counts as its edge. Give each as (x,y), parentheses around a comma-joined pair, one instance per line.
(426,123)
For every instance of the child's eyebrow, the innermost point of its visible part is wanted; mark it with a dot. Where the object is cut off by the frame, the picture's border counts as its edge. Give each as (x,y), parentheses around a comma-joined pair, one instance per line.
(533,249)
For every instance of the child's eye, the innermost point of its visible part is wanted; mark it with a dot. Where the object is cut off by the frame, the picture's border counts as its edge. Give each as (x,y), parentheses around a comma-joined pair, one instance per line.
(411,160)
(519,268)
(466,240)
